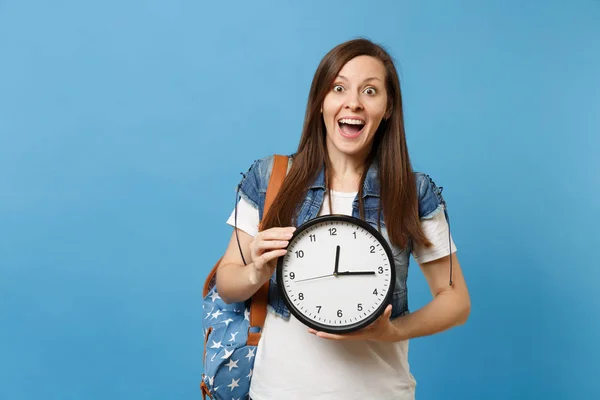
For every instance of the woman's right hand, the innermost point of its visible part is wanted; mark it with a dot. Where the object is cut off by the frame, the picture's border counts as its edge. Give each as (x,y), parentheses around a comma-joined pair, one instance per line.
(265,248)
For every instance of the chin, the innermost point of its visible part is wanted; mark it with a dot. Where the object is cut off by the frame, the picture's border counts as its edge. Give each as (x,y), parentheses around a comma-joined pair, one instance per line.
(351,150)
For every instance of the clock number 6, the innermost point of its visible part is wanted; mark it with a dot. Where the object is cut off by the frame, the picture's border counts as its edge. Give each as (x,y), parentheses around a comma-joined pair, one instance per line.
(339,313)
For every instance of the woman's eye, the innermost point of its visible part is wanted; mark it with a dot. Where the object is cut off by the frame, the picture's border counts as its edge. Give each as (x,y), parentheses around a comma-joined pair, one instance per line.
(370,91)
(338,88)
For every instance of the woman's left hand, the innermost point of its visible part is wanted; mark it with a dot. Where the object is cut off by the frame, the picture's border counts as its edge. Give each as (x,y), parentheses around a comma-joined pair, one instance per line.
(381,330)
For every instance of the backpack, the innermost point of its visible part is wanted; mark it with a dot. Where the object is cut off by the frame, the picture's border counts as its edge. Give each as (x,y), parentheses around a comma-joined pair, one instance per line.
(232,331)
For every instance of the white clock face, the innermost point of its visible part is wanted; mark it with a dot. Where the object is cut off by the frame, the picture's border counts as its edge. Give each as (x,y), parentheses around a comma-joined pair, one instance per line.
(337,275)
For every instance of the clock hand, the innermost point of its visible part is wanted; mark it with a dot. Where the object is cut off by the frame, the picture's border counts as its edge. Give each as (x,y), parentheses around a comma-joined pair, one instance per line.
(356,273)
(316,277)
(337,260)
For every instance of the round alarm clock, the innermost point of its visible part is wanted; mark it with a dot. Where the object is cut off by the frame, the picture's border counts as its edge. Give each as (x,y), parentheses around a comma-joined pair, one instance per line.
(338,274)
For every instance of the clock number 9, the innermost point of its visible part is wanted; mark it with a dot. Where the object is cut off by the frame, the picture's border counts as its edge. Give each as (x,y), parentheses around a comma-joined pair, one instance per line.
(292,276)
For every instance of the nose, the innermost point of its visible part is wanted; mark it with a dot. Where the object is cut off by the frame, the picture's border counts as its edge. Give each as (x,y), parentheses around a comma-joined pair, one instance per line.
(353,102)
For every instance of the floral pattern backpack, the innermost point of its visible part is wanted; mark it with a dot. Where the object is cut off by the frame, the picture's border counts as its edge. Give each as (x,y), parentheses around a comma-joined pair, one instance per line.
(232,331)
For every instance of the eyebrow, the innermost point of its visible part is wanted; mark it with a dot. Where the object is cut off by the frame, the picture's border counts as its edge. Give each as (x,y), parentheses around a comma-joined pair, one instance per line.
(373,78)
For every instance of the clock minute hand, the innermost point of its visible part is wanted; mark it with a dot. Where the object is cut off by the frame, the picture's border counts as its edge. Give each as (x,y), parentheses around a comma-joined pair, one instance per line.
(337,260)
(356,273)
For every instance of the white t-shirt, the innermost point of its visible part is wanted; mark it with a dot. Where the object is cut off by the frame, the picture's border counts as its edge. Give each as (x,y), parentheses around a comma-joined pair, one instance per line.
(294,364)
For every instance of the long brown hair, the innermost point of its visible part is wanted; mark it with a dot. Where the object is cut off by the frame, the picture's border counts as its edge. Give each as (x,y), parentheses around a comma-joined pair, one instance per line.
(398,193)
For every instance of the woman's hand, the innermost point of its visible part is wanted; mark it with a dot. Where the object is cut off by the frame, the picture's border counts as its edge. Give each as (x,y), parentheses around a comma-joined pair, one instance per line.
(267,246)
(381,330)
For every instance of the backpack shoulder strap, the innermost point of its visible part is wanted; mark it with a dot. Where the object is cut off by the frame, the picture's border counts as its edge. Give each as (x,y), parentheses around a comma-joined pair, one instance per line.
(258,305)
(277,176)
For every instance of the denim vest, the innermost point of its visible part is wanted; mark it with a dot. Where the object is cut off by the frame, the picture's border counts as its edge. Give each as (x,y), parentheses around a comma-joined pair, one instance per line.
(253,188)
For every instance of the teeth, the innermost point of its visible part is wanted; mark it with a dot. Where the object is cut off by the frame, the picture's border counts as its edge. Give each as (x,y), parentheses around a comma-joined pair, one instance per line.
(351,121)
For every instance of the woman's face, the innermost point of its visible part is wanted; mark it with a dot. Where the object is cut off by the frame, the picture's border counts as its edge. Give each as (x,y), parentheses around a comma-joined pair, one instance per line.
(355,106)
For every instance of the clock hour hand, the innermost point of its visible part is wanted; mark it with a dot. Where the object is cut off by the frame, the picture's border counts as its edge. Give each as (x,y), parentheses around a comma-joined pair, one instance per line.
(337,260)
(356,273)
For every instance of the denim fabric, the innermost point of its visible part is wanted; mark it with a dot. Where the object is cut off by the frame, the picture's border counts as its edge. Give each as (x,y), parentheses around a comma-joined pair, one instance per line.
(253,188)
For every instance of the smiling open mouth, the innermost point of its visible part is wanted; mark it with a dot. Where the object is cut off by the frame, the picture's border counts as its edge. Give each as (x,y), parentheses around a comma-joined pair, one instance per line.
(351,127)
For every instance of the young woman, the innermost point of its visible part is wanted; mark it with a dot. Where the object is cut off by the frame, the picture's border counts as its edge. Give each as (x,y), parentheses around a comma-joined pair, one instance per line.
(352,159)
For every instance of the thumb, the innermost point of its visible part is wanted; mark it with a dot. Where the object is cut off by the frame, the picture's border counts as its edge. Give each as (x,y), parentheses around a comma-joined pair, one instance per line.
(388,311)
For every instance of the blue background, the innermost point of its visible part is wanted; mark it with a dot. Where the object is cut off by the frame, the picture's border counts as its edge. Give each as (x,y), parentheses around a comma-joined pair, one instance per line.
(124,126)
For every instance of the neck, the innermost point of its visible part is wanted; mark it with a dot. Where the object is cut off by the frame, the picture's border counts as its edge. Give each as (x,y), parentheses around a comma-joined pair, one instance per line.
(346,171)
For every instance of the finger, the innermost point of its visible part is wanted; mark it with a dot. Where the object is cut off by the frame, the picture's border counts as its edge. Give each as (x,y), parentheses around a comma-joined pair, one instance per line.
(271,255)
(388,312)
(383,318)
(332,336)
(271,244)
(277,233)
(274,232)
(258,246)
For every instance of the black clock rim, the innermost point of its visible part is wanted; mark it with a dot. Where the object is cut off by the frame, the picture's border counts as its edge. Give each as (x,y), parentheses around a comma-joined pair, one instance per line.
(345,328)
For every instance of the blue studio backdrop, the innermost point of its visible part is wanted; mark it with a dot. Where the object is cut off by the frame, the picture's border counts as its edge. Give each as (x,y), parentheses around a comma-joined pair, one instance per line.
(125,125)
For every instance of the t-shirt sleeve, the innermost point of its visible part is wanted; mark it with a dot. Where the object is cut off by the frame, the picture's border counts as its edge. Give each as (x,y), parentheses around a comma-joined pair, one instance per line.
(436,230)
(247,217)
